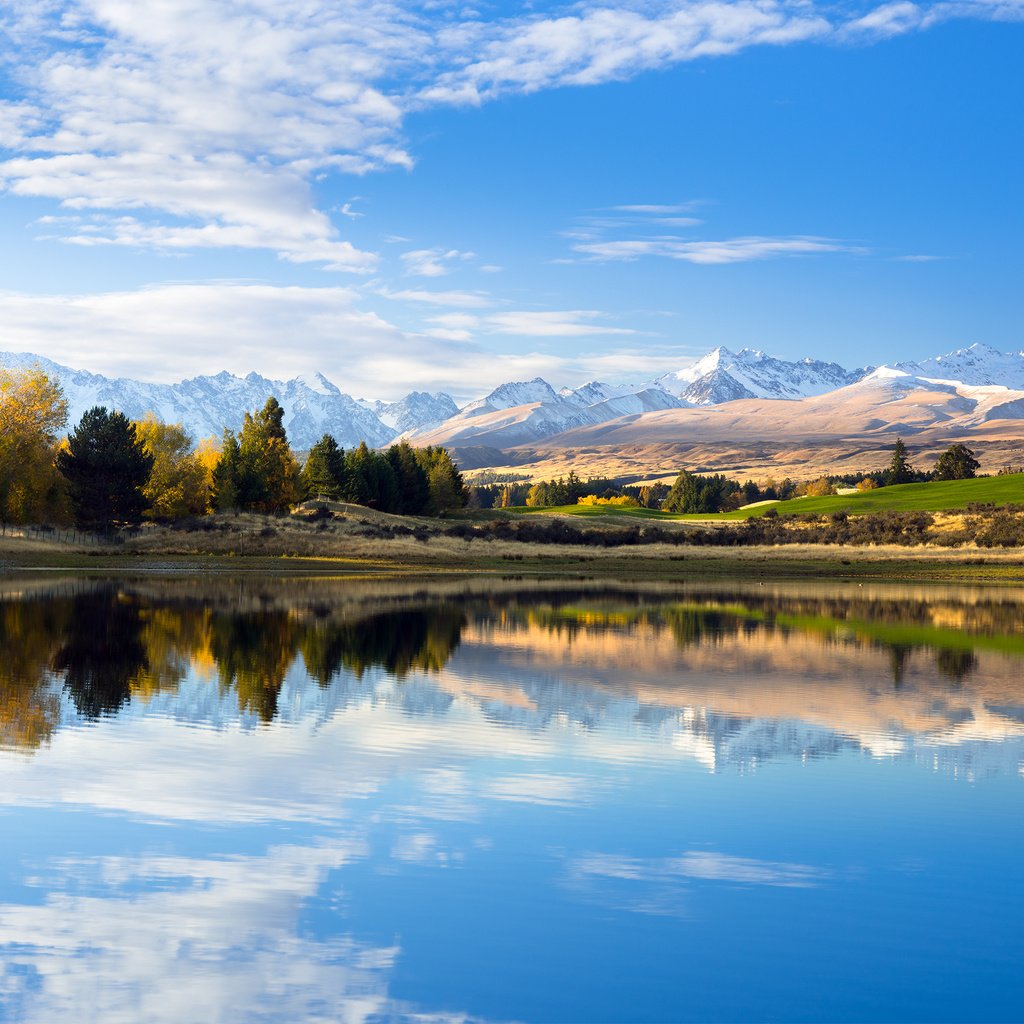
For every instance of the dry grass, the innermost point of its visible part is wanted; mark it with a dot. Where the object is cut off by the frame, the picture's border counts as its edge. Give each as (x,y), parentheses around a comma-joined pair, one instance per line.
(367,542)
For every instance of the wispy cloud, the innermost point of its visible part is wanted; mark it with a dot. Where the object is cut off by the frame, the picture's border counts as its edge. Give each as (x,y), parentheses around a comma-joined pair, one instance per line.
(203,123)
(433,262)
(573,323)
(728,250)
(660,885)
(452,299)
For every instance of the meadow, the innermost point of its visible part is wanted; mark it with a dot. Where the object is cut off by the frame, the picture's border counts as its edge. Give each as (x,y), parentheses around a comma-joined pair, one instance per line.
(934,496)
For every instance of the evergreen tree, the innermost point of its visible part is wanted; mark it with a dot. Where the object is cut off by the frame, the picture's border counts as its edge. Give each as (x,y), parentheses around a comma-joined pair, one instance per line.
(447,488)
(323,475)
(371,480)
(106,468)
(257,471)
(226,474)
(413,487)
(900,471)
(957,462)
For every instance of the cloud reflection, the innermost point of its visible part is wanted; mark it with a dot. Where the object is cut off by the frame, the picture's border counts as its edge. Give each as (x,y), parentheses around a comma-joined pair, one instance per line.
(660,885)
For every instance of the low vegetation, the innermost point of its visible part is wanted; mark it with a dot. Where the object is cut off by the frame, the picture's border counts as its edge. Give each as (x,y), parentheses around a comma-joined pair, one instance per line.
(112,472)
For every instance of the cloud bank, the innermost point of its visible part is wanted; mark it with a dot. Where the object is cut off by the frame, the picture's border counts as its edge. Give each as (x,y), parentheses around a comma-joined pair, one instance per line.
(192,124)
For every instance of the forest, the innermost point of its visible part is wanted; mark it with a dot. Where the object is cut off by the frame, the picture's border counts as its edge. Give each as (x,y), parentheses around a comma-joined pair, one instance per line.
(110,472)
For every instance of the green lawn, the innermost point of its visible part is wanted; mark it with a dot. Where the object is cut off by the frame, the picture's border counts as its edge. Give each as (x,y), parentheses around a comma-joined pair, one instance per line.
(937,496)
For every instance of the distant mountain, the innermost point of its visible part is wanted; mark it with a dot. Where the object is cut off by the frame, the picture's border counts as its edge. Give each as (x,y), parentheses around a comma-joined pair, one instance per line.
(725,376)
(745,396)
(207,405)
(521,412)
(417,411)
(978,364)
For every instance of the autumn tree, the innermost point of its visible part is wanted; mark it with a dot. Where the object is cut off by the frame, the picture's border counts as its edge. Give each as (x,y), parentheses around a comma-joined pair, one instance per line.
(33,412)
(177,486)
(106,467)
(957,462)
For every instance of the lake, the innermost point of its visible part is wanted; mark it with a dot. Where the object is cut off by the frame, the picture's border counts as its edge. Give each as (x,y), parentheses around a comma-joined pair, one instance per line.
(248,799)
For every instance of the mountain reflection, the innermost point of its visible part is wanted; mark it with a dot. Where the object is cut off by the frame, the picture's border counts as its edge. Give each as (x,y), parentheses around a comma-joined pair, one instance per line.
(790,668)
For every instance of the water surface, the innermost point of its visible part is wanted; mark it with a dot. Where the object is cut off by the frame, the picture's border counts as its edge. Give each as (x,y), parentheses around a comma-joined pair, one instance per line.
(259,800)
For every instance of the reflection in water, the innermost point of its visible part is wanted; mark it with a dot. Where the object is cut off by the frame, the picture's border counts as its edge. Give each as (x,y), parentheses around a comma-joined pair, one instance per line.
(303,801)
(108,645)
(101,652)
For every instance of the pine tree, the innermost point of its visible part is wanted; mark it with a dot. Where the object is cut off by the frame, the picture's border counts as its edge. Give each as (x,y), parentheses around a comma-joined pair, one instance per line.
(323,475)
(106,468)
(257,471)
(413,487)
(900,471)
(226,474)
(447,488)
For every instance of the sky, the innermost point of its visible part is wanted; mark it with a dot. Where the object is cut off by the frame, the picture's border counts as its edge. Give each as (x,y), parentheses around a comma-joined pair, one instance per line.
(448,196)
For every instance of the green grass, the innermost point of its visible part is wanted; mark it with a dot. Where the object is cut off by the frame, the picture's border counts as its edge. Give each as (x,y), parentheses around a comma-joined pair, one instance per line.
(936,496)
(598,512)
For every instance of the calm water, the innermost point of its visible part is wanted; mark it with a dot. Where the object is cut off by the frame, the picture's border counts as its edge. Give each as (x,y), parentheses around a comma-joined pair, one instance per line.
(344,801)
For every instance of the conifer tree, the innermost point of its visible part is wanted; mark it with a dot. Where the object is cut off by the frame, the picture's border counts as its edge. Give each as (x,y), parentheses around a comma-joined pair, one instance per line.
(323,475)
(412,485)
(447,488)
(226,473)
(106,468)
(900,471)
(257,471)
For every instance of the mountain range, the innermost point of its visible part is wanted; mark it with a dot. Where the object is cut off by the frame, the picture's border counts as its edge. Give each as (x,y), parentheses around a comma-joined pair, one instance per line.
(740,399)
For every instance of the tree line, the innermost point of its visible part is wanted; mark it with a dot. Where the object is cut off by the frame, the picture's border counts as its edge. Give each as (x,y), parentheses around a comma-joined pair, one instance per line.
(112,471)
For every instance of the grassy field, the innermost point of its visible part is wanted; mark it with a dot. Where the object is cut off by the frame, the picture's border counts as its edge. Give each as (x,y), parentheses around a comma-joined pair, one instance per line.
(937,496)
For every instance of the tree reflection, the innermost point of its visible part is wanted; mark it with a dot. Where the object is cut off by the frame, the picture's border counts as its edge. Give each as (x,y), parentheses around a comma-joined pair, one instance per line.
(955,665)
(112,644)
(102,652)
(254,651)
(399,642)
(29,704)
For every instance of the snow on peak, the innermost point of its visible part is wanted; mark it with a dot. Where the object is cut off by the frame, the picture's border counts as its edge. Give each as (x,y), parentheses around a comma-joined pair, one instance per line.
(978,364)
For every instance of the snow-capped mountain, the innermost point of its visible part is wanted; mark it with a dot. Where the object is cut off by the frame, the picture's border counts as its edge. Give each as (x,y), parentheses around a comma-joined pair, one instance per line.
(725,376)
(417,411)
(725,395)
(523,411)
(207,405)
(511,395)
(978,364)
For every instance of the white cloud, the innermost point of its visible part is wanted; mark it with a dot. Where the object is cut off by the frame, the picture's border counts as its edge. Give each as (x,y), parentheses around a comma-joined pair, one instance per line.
(730,250)
(169,332)
(572,323)
(207,120)
(432,262)
(458,299)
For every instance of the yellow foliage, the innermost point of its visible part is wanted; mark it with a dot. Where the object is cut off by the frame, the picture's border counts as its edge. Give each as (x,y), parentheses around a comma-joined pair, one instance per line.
(622,501)
(818,488)
(33,412)
(180,482)
(867,484)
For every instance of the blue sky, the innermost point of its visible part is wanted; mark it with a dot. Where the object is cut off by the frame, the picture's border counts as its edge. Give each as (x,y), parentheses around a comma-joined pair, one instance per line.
(434,196)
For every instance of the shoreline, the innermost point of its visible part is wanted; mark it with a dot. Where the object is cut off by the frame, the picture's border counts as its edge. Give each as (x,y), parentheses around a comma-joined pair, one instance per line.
(420,560)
